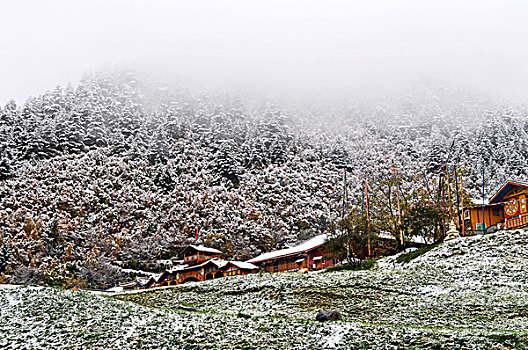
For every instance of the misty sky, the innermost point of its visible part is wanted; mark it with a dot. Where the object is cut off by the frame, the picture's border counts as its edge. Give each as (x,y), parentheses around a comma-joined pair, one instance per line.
(283,45)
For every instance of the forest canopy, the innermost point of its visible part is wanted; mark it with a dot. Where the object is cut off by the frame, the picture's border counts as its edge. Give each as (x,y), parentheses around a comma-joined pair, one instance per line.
(99,177)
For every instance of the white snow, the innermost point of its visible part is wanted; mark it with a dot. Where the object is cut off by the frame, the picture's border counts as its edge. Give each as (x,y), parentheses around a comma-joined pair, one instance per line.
(201,248)
(311,244)
(243,265)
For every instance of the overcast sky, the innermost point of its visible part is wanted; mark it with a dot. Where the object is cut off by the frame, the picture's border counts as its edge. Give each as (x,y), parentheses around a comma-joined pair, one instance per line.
(287,45)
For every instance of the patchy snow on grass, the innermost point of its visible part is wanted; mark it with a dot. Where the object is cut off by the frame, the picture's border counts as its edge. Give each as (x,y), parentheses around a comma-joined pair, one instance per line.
(470,293)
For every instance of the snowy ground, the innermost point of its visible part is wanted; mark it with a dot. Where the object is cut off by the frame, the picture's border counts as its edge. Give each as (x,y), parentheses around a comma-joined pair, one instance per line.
(470,293)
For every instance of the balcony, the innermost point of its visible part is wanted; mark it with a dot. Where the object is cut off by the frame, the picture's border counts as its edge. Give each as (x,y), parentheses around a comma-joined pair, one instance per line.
(198,258)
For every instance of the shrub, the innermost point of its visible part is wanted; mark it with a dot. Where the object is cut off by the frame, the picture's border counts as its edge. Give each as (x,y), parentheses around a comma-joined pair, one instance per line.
(412,255)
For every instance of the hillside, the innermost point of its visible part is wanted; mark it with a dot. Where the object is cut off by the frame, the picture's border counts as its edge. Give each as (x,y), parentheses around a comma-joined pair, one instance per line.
(119,171)
(470,293)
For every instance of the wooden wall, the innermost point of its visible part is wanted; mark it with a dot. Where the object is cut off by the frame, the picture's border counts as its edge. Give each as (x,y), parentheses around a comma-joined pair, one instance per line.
(493,214)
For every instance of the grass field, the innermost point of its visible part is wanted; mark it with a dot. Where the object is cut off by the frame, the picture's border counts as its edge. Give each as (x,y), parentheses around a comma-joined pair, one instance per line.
(470,293)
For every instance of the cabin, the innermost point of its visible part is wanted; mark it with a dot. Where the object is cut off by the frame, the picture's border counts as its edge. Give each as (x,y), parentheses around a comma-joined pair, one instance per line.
(197,254)
(208,270)
(203,263)
(233,268)
(213,269)
(508,208)
(492,213)
(310,255)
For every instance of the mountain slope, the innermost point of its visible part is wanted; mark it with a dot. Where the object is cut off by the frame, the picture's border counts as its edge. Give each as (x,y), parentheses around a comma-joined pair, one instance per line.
(470,293)
(116,173)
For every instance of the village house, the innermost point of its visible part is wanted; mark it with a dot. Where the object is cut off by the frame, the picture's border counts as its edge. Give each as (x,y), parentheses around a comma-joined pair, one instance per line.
(196,254)
(203,263)
(506,209)
(208,270)
(233,268)
(310,255)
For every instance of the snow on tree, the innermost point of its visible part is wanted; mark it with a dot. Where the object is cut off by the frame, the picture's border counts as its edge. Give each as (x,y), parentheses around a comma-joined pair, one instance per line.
(115,171)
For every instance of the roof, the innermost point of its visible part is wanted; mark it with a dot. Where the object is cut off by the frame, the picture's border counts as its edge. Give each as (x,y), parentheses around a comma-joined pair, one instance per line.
(178,268)
(218,263)
(505,188)
(128,284)
(155,278)
(311,244)
(201,248)
(478,202)
(413,239)
(144,280)
(242,265)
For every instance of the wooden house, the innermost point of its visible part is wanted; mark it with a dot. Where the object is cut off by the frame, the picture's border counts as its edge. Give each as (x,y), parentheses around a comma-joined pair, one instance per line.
(508,208)
(208,270)
(197,254)
(492,213)
(233,268)
(309,255)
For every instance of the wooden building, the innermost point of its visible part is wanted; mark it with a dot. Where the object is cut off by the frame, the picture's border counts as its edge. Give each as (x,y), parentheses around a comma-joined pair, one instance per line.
(310,255)
(197,254)
(508,208)
(233,268)
(208,270)
(492,213)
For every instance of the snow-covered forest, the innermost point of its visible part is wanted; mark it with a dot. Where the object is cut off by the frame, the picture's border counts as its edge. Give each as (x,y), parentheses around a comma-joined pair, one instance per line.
(114,171)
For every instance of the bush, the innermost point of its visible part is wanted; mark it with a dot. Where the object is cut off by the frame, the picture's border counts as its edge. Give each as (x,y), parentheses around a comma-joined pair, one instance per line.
(412,255)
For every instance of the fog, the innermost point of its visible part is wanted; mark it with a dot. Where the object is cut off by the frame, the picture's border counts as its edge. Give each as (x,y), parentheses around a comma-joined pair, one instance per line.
(281,47)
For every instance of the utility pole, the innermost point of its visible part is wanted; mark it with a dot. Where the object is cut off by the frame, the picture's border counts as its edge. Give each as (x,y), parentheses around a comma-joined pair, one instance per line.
(399,208)
(440,181)
(449,194)
(483,200)
(345,196)
(345,213)
(442,192)
(368,217)
(457,198)
(462,192)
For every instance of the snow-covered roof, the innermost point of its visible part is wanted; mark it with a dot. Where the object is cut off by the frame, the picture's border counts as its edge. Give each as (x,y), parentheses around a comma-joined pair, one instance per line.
(166,262)
(178,268)
(413,239)
(217,262)
(143,280)
(479,201)
(243,265)
(156,277)
(201,248)
(313,243)
(128,284)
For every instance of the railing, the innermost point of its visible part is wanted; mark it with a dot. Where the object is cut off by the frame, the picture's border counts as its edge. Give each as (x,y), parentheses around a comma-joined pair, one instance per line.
(197,257)
(190,258)
(285,267)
